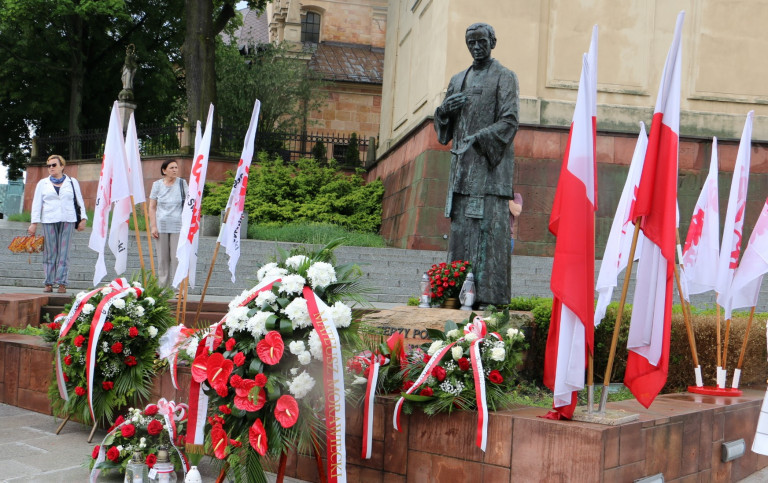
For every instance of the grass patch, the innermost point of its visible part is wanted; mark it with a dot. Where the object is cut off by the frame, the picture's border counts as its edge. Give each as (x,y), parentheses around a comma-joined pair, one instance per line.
(28,330)
(529,394)
(314,233)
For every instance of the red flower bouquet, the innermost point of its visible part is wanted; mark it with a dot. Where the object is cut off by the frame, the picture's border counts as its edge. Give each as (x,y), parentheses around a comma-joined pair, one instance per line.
(446,279)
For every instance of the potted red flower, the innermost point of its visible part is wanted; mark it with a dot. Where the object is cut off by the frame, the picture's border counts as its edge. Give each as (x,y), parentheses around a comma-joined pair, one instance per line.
(445,281)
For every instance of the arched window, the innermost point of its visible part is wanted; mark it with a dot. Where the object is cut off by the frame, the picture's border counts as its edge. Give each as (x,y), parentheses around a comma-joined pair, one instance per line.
(310,27)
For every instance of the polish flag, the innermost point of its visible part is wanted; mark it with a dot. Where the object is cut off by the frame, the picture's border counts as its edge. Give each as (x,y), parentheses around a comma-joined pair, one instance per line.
(112,187)
(745,287)
(229,236)
(702,245)
(186,250)
(571,330)
(733,228)
(656,204)
(620,238)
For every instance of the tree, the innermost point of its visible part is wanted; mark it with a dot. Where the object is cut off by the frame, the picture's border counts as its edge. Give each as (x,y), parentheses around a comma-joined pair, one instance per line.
(60,65)
(204,21)
(284,84)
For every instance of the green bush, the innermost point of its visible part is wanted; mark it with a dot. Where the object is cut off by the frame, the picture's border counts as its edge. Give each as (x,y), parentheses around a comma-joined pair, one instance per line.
(314,234)
(307,191)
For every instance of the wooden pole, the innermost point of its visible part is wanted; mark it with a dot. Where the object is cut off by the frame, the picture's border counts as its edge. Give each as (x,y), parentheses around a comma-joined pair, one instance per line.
(149,240)
(281,468)
(223,473)
(186,293)
(688,328)
(93,431)
(617,325)
(210,272)
(138,242)
(746,338)
(61,426)
(719,364)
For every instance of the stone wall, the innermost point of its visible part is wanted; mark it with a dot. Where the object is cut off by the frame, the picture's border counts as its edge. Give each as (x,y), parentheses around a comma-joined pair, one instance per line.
(349,108)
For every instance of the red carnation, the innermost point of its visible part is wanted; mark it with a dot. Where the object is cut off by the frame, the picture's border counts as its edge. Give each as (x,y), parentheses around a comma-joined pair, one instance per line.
(270,348)
(107,385)
(130,361)
(287,411)
(68,360)
(426,358)
(128,430)
(154,427)
(54,326)
(150,410)
(463,364)
(236,381)
(235,443)
(239,359)
(427,391)
(463,269)
(261,380)
(79,340)
(407,385)
(95,453)
(439,373)
(355,367)
(113,454)
(133,332)
(452,283)
(120,420)
(219,441)
(80,391)
(230,344)
(258,437)
(225,409)
(66,377)
(151,460)
(117,347)
(107,326)
(495,377)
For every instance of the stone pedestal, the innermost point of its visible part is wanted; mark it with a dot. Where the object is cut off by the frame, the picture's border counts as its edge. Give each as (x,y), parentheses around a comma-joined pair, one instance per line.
(125,110)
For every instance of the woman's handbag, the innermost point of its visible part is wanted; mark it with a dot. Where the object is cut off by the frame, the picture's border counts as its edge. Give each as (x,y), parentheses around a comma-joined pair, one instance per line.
(27,244)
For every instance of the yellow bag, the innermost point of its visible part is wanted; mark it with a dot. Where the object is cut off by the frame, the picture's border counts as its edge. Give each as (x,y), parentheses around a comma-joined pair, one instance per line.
(27,244)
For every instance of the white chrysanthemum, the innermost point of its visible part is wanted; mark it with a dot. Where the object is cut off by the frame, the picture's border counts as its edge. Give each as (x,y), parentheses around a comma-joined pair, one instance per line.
(457,352)
(256,325)
(298,313)
(139,311)
(264,269)
(470,337)
(132,291)
(152,330)
(321,274)
(239,313)
(341,314)
(292,284)
(80,296)
(512,333)
(296,261)
(436,346)
(238,300)
(315,346)
(106,290)
(265,297)
(360,380)
(270,270)
(301,385)
(498,354)
(305,358)
(150,301)
(119,304)
(192,347)
(453,334)
(88,309)
(296,347)
(294,371)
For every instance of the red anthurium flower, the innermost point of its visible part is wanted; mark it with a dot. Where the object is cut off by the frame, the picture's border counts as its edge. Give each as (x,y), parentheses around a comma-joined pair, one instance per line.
(239,359)
(200,367)
(218,336)
(261,380)
(80,391)
(230,344)
(286,411)
(219,441)
(243,399)
(117,347)
(133,332)
(218,371)
(258,437)
(270,348)
(439,373)
(396,345)
(128,430)
(79,341)
(107,326)
(150,410)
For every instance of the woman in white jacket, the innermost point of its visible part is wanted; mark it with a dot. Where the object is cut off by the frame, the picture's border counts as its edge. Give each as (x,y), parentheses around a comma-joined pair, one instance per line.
(57,204)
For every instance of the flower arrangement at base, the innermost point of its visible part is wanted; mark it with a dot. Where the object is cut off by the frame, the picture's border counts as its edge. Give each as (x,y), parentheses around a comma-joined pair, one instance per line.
(105,348)
(266,370)
(446,279)
(144,431)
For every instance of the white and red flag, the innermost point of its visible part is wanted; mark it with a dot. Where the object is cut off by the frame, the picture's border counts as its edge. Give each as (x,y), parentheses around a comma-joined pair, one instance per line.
(702,245)
(571,330)
(619,241)
(229,236)
(656,206)
(186,251)
(112,187)
(733,227)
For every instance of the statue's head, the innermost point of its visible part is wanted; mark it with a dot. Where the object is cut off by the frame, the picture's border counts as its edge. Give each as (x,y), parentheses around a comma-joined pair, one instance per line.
(480,39)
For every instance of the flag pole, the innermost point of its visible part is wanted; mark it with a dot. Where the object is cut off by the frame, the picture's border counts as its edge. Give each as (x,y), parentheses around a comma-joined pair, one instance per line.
(737,372)
(591,358)
(725,342)
(186,294)
(719,364)
(617,324)
(138,241)
(687,313)
(210,272)
(149,240)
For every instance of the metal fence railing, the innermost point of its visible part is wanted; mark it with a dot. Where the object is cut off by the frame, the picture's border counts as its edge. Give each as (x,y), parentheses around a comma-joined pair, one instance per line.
(167,140)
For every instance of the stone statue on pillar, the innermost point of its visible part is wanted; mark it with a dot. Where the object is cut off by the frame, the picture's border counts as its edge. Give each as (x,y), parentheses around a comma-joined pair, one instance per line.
(125,97)
(480,115)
